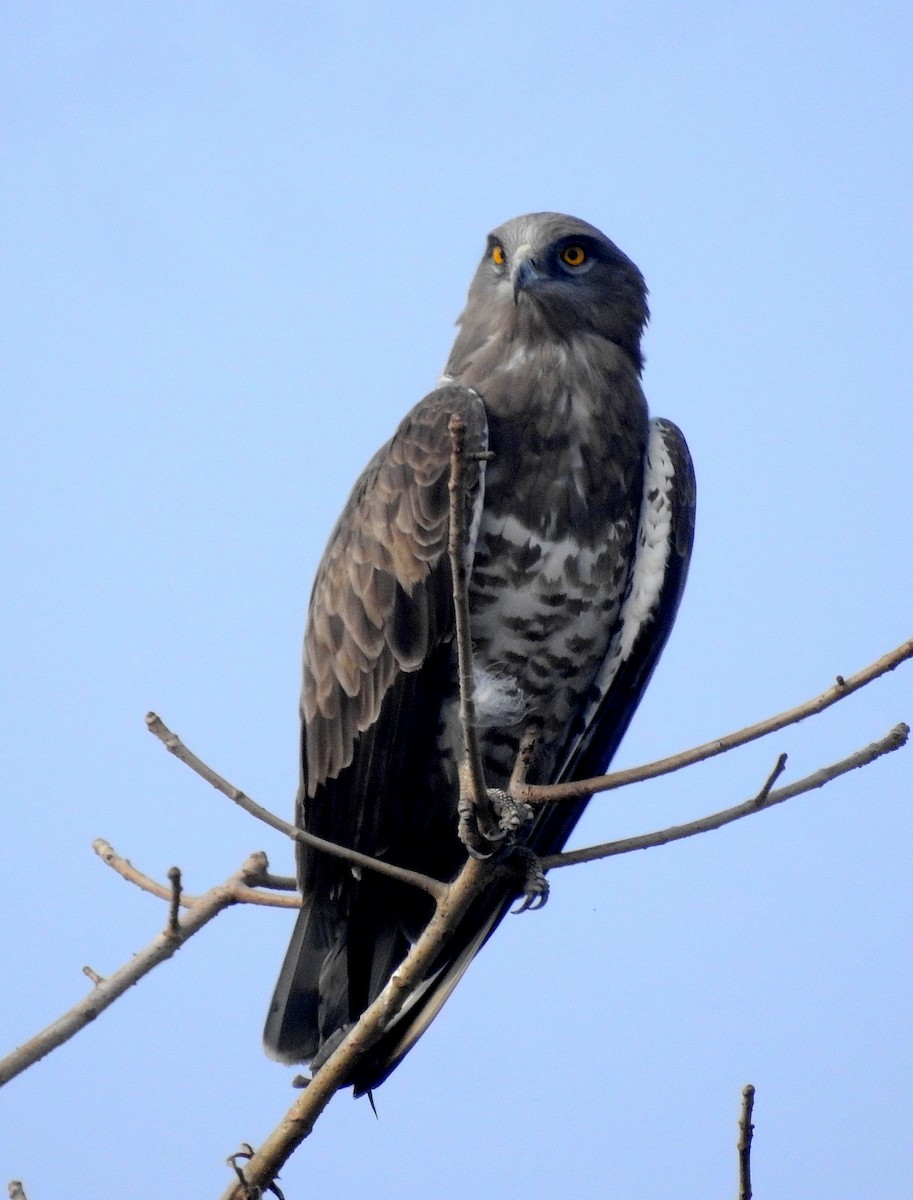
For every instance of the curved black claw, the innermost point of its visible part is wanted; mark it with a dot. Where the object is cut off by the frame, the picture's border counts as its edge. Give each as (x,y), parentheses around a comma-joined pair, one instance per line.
(535,885)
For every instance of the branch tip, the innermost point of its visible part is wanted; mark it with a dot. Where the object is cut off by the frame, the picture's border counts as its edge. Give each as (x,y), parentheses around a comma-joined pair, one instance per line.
(746,1130)
(174,909)
(779,768)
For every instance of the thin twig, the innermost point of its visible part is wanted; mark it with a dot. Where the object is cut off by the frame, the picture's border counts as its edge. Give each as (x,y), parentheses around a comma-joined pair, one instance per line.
(278,883)
(779,768)
(246,894)
(892,741)
(125,868)
(174,907)
(253,895)
(473,788)
(524,758)
(175,746)
(746,1129)
(104,993)
(577,790)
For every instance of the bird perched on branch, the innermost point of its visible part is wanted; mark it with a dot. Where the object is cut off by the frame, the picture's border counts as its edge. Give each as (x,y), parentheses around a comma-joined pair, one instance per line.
(579,535)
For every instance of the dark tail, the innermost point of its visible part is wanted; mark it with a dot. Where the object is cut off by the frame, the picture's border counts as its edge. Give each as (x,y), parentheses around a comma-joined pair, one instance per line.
(312,994)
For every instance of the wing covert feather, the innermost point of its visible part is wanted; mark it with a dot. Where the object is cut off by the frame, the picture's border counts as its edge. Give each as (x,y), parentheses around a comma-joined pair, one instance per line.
(381,600)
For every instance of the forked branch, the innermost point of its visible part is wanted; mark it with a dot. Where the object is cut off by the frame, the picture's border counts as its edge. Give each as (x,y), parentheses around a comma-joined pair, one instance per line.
(758,803)
(548,793)
(106,990)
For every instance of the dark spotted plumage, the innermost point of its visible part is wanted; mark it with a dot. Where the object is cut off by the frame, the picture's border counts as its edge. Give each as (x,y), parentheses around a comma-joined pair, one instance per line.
(581,530)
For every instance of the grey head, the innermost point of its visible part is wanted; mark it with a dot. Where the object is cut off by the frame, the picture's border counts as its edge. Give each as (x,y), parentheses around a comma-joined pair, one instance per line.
(551,276)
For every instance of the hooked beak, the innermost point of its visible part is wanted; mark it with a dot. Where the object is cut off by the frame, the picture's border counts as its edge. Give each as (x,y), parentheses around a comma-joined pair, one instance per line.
(524,270)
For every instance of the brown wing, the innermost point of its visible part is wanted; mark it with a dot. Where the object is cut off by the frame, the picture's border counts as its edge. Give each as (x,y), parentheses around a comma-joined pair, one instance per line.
(377,666)
(381,599)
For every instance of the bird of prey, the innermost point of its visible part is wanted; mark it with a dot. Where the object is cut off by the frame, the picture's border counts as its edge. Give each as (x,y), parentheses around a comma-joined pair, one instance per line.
(579,535)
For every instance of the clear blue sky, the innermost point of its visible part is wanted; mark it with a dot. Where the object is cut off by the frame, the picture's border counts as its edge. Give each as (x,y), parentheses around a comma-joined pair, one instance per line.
(234,240)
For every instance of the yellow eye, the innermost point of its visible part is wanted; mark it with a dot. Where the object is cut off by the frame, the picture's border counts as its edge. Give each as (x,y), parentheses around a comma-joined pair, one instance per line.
(497,255)
(574,256)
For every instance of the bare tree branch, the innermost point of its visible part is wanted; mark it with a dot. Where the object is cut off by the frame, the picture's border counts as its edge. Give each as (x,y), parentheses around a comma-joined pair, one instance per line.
(278,883)
(174,906)
(764,799)
(545,793)
(337,1070)
(542,793)
(779,768)
(476,814)
(528,744)
(456,548)
(746,1129)
(107,990)
(175,746)
(245,894)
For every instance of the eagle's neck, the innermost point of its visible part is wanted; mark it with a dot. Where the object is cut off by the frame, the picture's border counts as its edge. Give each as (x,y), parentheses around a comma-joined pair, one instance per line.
(568,428)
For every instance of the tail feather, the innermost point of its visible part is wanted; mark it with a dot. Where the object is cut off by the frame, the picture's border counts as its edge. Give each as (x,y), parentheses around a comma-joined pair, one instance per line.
(311,998)
(334,968)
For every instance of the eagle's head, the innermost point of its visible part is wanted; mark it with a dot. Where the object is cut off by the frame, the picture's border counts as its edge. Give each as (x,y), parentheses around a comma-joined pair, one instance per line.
(548,275)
